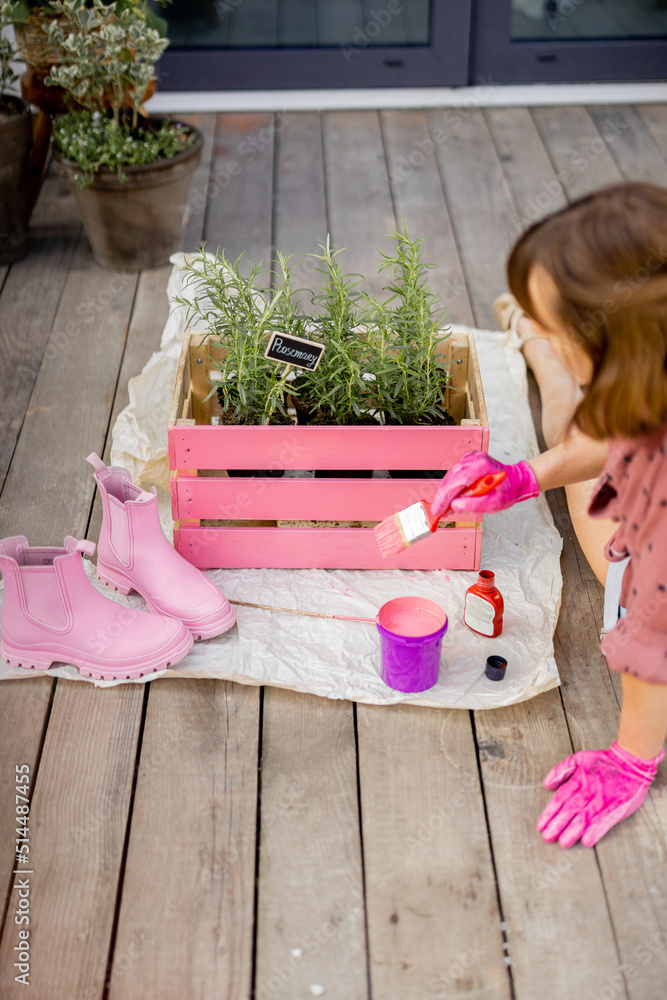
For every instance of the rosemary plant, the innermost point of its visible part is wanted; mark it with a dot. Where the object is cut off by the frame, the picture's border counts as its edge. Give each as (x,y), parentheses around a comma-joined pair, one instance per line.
(380,360)
(234,309)
(404,331)
(336,391)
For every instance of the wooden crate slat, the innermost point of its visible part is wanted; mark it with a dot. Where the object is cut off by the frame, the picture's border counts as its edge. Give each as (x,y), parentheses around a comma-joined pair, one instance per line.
(277,447)
(320,548)
(456,353)
(310,499)
(195,445)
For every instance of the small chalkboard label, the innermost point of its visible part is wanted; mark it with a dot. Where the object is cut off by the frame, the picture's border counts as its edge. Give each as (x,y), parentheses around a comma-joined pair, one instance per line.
(294,351)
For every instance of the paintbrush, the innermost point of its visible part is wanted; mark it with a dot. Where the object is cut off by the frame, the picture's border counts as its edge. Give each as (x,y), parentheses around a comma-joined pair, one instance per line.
(400,530)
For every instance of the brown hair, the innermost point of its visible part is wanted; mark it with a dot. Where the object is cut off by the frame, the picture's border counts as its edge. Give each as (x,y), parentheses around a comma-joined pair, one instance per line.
(607,257)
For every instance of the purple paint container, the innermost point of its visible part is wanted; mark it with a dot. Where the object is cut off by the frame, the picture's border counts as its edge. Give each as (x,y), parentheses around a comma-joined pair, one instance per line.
(411,631)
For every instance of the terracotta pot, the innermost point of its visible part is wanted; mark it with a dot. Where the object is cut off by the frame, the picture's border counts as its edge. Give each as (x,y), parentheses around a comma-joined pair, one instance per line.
(15,143)
(138,223)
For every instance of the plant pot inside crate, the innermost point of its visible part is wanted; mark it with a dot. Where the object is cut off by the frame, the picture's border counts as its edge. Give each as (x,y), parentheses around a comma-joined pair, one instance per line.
(200,497)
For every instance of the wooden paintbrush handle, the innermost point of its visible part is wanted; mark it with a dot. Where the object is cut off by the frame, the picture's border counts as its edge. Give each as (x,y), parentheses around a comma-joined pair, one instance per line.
(310,614)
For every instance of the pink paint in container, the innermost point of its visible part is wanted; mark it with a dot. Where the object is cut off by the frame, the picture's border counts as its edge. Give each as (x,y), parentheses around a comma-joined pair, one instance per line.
(411,631)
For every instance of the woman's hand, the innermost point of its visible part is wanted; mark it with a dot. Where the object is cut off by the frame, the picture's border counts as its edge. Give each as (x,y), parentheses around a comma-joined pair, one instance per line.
(519,483)
(596,790)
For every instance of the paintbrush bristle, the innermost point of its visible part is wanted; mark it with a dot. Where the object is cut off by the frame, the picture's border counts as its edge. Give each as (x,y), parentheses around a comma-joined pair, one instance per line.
(389,538)
(400,530)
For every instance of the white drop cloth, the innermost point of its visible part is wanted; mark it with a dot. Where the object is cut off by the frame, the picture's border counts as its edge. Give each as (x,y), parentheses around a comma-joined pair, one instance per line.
(341,659)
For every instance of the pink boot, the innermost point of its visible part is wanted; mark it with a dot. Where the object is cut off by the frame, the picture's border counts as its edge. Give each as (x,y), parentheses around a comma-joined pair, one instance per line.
(133,554)
(52,613)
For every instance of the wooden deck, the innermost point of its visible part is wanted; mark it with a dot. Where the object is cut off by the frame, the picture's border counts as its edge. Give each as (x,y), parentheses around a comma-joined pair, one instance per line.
(200,840)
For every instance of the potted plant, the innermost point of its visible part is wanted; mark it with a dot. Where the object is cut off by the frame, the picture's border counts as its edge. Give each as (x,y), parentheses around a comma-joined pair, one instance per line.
(15,143)
(131,175)
(32,18)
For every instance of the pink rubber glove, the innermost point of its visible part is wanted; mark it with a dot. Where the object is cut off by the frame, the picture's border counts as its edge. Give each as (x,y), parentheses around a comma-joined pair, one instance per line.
(520,484)
(596,790)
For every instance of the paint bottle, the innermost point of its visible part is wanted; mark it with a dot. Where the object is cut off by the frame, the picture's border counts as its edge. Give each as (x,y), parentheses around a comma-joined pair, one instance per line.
(484,606)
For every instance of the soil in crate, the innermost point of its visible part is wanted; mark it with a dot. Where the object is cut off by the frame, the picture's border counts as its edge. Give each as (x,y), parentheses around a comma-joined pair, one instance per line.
(256,473)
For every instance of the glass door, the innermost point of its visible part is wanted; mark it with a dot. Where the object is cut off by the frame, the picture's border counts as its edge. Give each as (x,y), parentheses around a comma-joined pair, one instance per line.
(560,40)
(276,44)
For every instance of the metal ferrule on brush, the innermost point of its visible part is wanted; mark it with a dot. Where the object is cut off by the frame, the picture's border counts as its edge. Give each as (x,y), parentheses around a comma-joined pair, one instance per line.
(414,522)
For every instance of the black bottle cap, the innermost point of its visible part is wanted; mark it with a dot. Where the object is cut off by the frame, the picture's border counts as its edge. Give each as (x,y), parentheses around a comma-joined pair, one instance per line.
(495,668)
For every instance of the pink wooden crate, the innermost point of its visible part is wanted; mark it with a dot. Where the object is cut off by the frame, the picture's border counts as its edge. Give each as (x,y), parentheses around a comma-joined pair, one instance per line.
(226,522)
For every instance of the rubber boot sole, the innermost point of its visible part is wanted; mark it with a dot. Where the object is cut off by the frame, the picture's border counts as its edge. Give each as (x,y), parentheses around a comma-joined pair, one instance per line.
(42,659)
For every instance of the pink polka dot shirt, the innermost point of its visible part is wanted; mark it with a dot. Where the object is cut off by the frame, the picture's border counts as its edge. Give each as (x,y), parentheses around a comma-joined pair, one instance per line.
(633,491)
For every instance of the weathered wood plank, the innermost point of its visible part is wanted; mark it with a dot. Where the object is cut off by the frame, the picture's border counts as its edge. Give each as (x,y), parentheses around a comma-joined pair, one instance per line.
(89,743)
(311,916)
(634,151)
(23,708)
(300,213)
(30,297)
(420,204)
(530,176)
(78,815)
(310,919)
(241,192)
(149,314)
(48,491)
(483,216)
(654,117)
(358,195)
(553,903)
(185,926)
(579,152)
(198,200)
(433,921)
